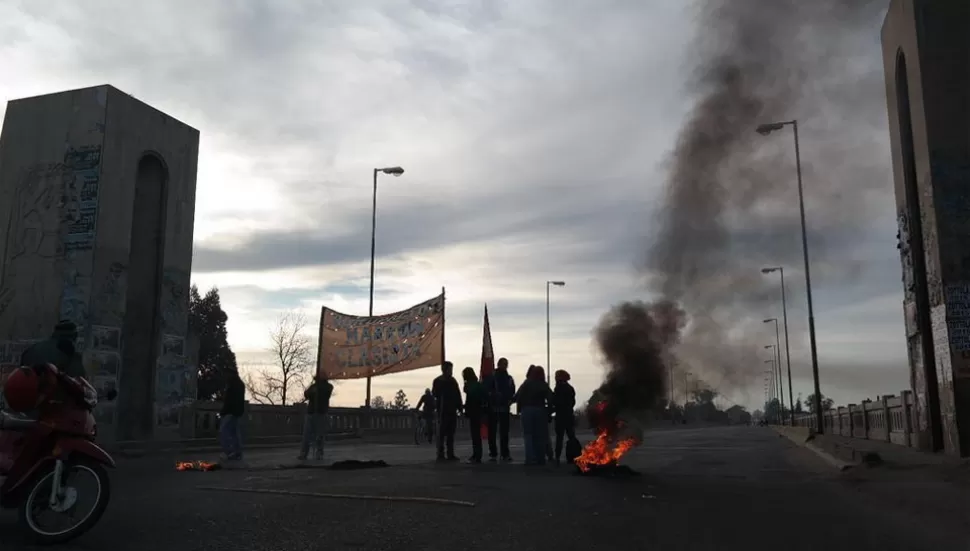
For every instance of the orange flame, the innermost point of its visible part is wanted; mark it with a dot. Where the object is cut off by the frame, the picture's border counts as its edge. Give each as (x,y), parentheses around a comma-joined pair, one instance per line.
(195,466)
(600,452)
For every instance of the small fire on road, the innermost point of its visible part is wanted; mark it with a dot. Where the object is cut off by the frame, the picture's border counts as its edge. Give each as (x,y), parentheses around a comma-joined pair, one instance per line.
(608,448)
(204,466)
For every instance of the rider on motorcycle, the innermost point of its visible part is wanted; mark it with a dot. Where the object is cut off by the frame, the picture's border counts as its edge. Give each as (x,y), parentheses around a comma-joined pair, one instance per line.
(59,350)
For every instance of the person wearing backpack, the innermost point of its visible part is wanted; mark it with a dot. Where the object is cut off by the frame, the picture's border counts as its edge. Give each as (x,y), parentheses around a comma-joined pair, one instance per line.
(315,422)
(500,388)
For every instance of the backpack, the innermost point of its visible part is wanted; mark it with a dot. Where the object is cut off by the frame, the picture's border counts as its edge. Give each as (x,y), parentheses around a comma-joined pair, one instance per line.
(573,449)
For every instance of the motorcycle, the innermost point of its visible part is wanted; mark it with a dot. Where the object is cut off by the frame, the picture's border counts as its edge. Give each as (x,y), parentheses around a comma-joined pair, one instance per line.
(50,464)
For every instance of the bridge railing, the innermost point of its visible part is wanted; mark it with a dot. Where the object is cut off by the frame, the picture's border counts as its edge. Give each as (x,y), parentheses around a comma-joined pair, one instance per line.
(279,421)
(889,419)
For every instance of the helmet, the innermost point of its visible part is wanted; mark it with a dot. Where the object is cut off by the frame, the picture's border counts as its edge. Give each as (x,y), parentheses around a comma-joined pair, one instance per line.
(22,390)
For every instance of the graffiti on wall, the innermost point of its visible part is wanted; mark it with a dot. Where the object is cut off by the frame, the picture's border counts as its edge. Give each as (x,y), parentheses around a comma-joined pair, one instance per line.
(175,382)
(109,301)
(102,363)
(52,225)
(82,178)
(958,316)
(951,199)
(175,301)
(74,296)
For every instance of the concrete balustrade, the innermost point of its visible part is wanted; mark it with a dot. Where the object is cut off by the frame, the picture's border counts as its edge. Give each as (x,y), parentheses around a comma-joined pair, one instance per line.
(271,421)
(888,419)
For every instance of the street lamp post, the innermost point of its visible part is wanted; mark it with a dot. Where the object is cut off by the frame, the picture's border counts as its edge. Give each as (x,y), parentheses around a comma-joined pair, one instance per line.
(774,389)
(784,314)
(778,356)
(548,336)
(776,365)
(769,388)
(395,171)
(766,129)
(686,392)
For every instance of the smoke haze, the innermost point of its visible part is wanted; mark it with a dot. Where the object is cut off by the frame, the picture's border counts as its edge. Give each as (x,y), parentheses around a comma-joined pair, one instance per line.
(729,205)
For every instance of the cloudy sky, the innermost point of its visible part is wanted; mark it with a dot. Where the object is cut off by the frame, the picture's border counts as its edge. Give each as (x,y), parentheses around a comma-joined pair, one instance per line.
(534,136)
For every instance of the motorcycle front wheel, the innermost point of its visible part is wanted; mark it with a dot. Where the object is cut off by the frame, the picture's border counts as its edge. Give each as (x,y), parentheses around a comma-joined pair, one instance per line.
(85,492)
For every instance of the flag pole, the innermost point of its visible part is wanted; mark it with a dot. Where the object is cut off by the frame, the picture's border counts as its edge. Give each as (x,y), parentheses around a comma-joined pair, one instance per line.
(442,324)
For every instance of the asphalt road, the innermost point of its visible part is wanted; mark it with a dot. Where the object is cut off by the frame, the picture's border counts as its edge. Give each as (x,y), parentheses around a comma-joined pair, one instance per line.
(702,489)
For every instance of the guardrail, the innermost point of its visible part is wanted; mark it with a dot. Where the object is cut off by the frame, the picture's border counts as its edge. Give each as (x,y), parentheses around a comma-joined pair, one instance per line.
(277,421)
(888,419)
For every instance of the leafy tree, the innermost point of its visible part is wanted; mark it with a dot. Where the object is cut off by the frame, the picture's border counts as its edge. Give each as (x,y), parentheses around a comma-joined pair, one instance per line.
(810,403)
(798,405)
(400,400)
(207,320)
(377,402)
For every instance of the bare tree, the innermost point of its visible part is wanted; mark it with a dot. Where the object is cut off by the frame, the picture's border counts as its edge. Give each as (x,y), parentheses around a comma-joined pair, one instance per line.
(289,374)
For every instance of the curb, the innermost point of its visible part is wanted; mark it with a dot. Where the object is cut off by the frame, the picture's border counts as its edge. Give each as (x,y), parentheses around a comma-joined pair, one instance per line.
(803,438)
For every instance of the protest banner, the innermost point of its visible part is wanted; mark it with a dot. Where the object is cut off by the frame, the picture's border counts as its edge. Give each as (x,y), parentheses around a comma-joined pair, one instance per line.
(356,347)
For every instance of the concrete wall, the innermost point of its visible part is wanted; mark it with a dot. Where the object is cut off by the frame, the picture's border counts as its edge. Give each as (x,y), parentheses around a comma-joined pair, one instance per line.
(99,190)
(926,52)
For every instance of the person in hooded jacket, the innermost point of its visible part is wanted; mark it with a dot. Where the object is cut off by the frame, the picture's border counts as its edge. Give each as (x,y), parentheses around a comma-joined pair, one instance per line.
(500,388)
(475,400)
(447,396)
(59,350)
(564,405)
(533,398)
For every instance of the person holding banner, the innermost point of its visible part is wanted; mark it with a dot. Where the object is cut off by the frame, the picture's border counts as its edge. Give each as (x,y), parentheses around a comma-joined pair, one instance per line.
(447,395)
(474,410)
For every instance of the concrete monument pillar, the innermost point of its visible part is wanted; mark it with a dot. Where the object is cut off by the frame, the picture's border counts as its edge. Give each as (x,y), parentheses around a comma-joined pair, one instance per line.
(97,205)
(926,51)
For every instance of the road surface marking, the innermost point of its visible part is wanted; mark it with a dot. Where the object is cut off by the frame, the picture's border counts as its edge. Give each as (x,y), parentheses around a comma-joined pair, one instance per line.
(339,496)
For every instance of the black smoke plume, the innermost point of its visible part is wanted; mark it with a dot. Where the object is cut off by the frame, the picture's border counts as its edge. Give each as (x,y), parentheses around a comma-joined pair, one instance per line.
(635,339)
(730,206)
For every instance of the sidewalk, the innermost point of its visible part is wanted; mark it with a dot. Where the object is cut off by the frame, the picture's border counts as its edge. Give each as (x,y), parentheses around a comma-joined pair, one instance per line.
(907,481)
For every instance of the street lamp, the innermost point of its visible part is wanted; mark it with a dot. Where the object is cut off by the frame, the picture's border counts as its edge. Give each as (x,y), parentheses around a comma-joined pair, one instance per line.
(778,380)
(548,346)
(774,385)
(784,313)
(778,356)
(686,375)
(764,130)
(769,389)
(394,171)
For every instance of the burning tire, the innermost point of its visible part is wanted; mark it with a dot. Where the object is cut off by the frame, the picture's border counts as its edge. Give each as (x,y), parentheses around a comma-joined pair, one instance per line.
(37,502)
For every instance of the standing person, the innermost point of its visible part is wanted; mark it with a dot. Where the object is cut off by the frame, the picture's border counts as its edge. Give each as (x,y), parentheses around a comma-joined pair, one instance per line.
(315,422)
(447,395)
(500,388)
(533,398)
(564,403)
(233,407)
(427,409)
(475,403)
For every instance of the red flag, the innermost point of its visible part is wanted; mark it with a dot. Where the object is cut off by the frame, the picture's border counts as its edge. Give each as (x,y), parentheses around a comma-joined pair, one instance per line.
(488,355)
(488,362)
